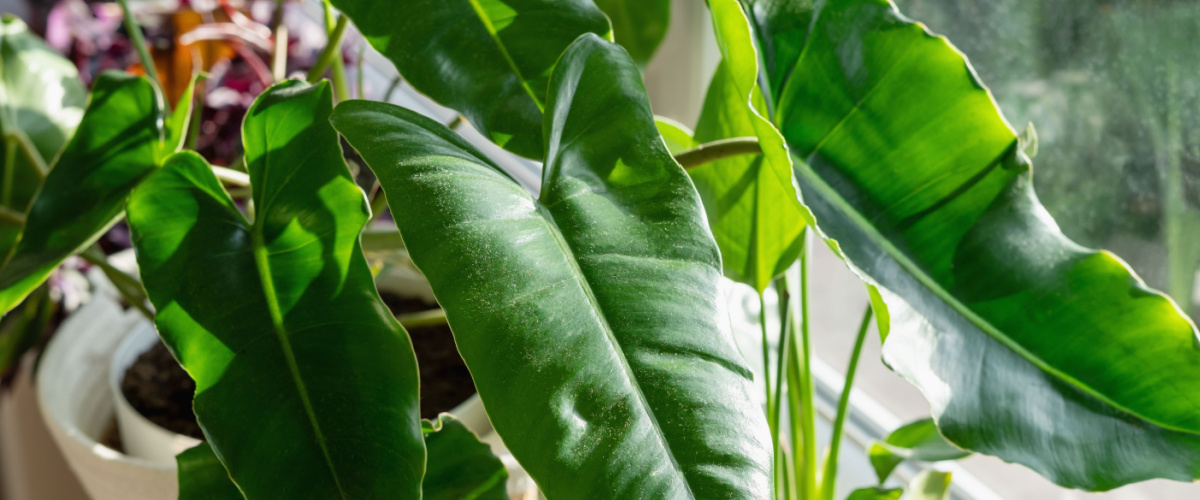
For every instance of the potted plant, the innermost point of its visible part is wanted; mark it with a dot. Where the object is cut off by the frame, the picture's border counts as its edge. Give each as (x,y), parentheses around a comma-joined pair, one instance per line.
(589,315)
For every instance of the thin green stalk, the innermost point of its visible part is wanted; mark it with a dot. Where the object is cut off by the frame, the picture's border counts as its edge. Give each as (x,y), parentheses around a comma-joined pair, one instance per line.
(29,152)
(331,52)
(380,240)
(194,123)
(433,317)
(378,202)
(782,468)
(829,477)
(718,150)
(139,41)
(128,286)
(806,465)
(766,357)
(279,53)
(396,81)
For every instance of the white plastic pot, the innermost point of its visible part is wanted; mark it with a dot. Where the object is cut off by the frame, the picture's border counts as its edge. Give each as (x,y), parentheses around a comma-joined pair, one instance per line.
(140,437)
(77,404)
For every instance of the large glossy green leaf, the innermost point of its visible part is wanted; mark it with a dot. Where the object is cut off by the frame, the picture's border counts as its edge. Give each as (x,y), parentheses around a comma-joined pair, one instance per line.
(918,440)
(1028,346)
(41,98)
(202,476)
(638,25)
(306,386)
(751,200)
(588,316)
(459,466)
(488,59)
(116,145)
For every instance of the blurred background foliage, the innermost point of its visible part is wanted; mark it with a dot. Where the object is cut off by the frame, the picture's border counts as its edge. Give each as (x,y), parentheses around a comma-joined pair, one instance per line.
(1113,88)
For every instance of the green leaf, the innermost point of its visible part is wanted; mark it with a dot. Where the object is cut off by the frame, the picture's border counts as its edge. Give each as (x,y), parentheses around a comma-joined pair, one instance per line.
(460,467)
(117,144)
(488,59)
(918,440)
(203,477)
(306,386)
(928,485)
(588,316)
(876,493)
(751,200)
(40,91)
(1028,346)
(677,136)
(42,98)
(638,25)
(177,124)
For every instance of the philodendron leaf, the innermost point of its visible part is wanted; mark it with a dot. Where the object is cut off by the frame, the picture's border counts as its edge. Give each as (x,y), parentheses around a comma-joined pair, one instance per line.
(459,466)
(929,484)
(751,200)
(876,493)
(588,316)
(202,476)
(117,144)
(638,25)
(1028,346)
(918,441)
(488,59)
(42,99)
(676,135)
(306,386)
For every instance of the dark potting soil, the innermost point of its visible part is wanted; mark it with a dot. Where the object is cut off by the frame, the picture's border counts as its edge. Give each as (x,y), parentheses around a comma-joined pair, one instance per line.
(158,388)
(445,381)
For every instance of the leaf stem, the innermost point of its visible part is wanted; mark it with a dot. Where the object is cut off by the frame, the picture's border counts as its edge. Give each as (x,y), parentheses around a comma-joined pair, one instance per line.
(718,150)
(128,286)
(231,176)
(331,51)
(381,240)
(432,317)
(807,465)
(782,469)
(11,217)
(31,154)
(829,476)
(139,41)
(766,358)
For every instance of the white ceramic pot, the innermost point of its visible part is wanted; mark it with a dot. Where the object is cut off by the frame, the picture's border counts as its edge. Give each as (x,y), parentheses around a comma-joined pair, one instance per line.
(139,436)
(77,404)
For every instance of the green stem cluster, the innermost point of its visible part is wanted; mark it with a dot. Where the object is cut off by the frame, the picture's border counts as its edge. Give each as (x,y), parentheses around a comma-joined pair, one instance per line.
(798,470)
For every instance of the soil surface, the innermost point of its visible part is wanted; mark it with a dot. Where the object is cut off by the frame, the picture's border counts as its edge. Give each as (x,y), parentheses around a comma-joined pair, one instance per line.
(158,388)
(445,381)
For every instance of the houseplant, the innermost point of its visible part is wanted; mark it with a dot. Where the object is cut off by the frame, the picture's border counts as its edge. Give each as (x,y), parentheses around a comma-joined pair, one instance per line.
(588,315)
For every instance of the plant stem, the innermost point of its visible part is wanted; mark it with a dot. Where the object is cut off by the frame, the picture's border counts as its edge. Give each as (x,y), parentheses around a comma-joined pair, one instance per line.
(31,154)
(433,317)
(766,359)
(378,202)
(718,150)
(806,465)
(828,478)
(279,54)
(782,468)
(396,81)
(331,51)
(139,41)
(231,176)
(128,286)
(11,217)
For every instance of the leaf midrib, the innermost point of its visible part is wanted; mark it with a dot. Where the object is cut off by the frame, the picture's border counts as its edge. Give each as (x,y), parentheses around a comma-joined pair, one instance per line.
(551,223)
(262,263)
(512,65)
(926,281)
